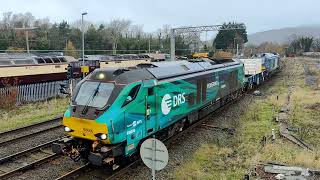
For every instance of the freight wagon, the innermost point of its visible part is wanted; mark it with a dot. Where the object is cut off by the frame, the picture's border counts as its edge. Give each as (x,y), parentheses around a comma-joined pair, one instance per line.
(258,69)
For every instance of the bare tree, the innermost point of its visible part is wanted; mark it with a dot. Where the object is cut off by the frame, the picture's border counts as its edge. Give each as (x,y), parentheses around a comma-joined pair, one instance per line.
(20,20)
(6,20)
(115,29)
(78,25)
(164,32)
(28,19)
(43,23)
(136,31)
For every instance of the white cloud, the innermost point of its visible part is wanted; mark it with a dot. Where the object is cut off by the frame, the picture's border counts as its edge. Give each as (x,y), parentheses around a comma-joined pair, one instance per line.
(258,15)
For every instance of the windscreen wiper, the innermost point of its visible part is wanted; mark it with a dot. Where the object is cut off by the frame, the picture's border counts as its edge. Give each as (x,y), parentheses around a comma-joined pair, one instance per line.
(86,107)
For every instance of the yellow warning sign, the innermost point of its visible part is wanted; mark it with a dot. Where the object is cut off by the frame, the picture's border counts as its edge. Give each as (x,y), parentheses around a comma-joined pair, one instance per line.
(84,69)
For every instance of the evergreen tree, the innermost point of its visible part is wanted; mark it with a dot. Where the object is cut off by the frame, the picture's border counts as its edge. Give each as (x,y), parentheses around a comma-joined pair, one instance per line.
(70,50)
(227,39)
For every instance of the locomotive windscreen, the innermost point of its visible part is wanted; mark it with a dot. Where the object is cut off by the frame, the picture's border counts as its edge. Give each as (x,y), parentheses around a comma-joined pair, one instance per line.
(94,94)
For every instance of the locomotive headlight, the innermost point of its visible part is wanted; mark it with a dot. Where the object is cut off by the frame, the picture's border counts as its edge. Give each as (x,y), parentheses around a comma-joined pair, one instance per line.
(67,129)
(103,136)
(101,76)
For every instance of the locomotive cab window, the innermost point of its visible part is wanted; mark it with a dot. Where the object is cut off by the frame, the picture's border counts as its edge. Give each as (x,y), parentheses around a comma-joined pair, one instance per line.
(191,99)
(132,95)
(93,94)
(150,91)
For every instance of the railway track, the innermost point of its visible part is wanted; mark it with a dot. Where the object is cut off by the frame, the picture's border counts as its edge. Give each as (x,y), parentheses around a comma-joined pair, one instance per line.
(29,131)
(27,159)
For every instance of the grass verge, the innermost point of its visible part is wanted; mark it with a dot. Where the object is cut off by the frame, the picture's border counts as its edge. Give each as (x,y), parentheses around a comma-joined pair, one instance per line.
(31,113)
(238,154)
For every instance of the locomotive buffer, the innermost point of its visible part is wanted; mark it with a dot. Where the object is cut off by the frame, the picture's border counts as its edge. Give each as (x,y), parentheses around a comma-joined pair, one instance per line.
(154,155)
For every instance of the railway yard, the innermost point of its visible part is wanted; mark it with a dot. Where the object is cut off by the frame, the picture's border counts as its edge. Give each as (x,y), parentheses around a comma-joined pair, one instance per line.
(235,141)
(161,90)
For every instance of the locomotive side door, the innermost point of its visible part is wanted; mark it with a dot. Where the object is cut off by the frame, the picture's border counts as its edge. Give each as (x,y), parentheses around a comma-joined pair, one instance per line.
(151,111)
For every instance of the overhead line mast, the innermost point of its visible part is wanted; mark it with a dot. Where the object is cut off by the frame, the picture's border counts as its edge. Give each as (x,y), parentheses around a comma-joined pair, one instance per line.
(26,29)
(194,29)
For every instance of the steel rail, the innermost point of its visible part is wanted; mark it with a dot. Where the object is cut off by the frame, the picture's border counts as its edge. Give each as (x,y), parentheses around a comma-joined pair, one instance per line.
(29,166)
(27,151)
(30,126)
(74,172)
(29,135)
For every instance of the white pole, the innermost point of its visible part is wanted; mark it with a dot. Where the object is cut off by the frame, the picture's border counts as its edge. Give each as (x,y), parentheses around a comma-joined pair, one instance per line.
(237,49)
(172,45)
(154,159)
(27,39)
(82,27)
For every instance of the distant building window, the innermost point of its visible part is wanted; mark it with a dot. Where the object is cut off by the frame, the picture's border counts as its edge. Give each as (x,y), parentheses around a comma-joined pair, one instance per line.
(48,60)
(4,62)
(40,60)
(55,60)
(26,61)
(62,59)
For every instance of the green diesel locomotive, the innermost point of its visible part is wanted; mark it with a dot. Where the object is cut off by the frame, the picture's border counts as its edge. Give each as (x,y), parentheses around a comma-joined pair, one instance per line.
(113,110)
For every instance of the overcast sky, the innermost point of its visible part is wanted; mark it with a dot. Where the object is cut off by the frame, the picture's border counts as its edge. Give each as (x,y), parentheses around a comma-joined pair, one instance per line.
(258,15)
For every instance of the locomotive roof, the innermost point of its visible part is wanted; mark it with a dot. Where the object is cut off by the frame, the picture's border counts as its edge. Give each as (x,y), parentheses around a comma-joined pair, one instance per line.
(162,70)
(156,70)
(120,76)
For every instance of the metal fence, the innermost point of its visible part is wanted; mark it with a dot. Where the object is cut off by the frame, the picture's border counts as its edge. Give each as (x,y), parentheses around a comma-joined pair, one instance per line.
(33,92)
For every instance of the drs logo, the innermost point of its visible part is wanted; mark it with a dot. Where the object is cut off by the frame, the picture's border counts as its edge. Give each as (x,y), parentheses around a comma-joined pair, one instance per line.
(169,102)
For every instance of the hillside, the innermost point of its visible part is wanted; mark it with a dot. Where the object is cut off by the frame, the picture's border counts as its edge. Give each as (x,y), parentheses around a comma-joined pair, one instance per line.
(283,35)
